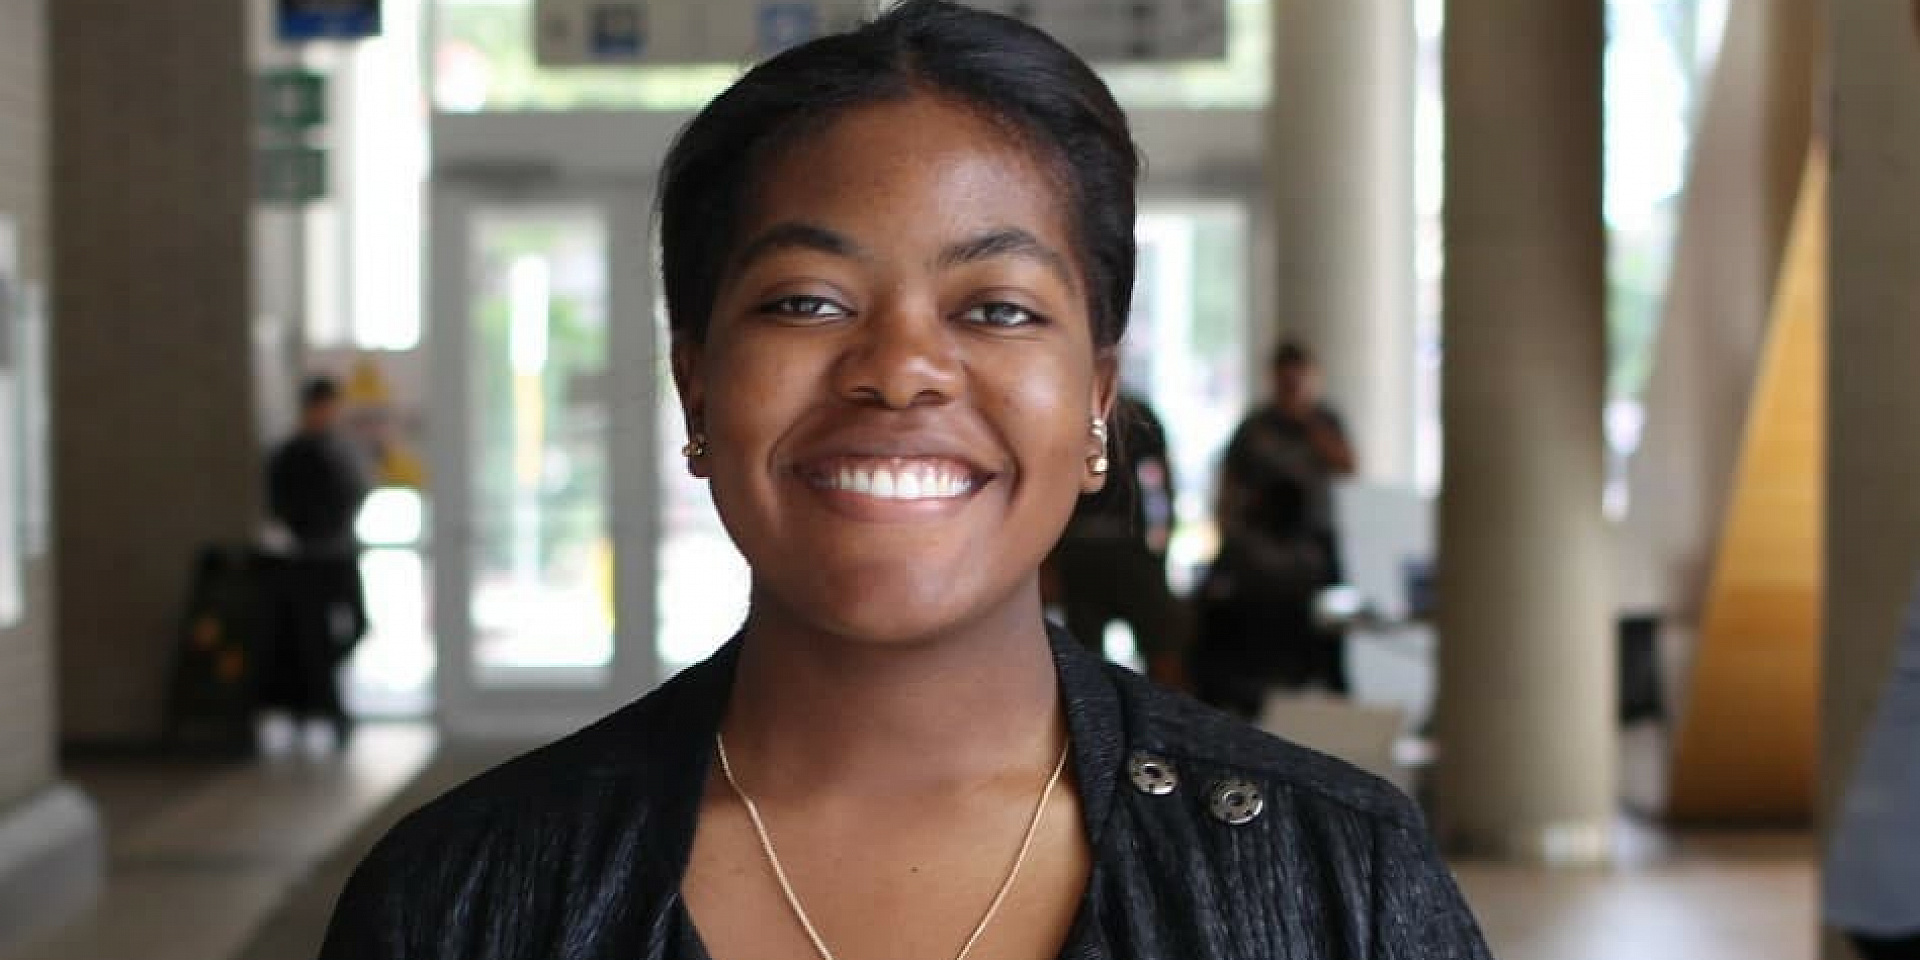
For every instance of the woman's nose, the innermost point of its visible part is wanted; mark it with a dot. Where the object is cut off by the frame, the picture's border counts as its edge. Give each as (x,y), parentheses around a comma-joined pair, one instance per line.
(900,355)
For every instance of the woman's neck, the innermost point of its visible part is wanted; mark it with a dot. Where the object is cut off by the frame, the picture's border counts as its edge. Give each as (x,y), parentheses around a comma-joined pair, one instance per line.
(811,711)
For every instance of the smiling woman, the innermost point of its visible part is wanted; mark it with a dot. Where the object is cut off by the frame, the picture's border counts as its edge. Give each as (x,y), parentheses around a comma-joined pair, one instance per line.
(898,263)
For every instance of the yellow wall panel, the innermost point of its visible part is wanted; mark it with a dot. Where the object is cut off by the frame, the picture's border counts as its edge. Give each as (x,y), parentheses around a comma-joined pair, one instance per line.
(1746,745)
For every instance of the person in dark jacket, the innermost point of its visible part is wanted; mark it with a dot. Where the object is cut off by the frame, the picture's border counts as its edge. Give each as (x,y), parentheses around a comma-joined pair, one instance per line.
(1111,563)
(897,264)
(1279,548)
(318,611)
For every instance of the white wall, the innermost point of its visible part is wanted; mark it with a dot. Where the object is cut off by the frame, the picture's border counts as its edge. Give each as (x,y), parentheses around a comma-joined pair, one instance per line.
(26,650)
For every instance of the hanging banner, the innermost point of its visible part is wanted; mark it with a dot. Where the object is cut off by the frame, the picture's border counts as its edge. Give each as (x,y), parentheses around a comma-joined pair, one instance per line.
(612,32)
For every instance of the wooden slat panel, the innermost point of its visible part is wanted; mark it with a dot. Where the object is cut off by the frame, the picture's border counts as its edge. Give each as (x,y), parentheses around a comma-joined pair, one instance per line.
(1746,747)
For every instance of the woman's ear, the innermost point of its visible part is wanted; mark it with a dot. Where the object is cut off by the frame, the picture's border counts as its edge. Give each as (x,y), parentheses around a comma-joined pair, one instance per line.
(689,379)
(1106,384)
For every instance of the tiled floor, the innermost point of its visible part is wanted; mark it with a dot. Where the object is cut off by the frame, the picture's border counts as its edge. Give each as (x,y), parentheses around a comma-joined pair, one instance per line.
(1745,896)
(200,857)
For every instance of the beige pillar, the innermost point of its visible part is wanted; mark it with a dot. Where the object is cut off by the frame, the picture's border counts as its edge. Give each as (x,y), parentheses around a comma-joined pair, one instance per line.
(156,450)
(1873,411)
(1340,169)
(1526,706)
(51,841)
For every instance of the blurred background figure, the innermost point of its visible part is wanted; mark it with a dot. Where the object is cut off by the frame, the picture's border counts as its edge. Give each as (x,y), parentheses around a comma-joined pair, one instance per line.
(1873,861)
(1256,624)
(318,610)
(1111,563)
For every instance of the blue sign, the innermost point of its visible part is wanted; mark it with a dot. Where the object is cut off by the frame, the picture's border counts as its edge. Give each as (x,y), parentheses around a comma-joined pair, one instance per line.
(785,24)
(301,20)
(617,31)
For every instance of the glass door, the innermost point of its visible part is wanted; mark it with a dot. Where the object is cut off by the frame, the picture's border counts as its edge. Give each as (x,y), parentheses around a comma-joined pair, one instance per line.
(1186,353)
(543,375)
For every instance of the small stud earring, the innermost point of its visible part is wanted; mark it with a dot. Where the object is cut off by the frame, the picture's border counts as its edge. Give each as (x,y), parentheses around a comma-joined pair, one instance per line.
(1097,464)
(696,447)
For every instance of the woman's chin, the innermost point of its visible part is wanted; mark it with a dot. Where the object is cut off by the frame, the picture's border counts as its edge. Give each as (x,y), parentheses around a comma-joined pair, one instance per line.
(891,624)
(896,614)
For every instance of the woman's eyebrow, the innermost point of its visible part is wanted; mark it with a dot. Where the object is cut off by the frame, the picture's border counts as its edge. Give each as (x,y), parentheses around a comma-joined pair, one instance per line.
(1005,242)
(792,234)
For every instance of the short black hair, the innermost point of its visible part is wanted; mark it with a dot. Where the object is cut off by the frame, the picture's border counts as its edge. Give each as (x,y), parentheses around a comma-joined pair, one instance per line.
(1292,353)
(317,391)
(1011,73)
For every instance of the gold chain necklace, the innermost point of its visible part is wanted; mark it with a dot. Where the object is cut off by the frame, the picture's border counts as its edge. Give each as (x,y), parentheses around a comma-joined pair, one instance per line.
(793,899)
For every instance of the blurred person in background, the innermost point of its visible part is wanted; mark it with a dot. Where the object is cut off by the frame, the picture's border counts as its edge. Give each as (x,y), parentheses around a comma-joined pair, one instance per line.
(1873,861)
(1111,564)
(1256,624)
(314,489)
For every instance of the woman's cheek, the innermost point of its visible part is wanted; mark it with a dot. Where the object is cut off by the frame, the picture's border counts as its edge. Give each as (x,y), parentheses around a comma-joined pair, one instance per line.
(1053,394)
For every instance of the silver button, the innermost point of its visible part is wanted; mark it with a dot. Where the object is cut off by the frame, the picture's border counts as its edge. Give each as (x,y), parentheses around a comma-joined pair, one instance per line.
(1236,801)
(1152,775)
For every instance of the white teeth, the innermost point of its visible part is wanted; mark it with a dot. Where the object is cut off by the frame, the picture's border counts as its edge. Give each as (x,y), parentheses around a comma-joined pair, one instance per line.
(913,482)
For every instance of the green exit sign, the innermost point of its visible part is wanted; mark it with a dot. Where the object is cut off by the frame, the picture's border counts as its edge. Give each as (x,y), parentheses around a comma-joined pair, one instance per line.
(292,100)
(294,175)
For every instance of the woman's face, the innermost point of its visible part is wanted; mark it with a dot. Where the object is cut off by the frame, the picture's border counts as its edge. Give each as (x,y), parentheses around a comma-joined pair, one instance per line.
(899,376)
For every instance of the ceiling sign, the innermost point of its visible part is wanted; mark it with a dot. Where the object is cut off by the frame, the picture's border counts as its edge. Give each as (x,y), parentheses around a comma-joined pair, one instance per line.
(301,20)
(612,32)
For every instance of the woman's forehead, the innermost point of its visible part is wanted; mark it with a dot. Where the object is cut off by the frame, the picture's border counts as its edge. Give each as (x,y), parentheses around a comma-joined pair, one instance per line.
(921,166)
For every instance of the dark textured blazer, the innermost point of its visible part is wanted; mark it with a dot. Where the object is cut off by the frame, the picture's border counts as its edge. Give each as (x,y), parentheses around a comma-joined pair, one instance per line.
(1211,841)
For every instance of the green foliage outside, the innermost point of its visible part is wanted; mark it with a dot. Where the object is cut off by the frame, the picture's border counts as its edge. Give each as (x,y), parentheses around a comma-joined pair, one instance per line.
(574,482)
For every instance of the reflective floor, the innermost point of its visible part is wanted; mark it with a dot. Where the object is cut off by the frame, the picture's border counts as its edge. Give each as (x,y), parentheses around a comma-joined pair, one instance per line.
(1733,896)
(200,857)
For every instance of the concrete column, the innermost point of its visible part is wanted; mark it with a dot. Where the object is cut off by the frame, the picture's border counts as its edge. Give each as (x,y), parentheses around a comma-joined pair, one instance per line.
(156,449)
(1527,670)
(1873,405)
(50,838)
(1340,168)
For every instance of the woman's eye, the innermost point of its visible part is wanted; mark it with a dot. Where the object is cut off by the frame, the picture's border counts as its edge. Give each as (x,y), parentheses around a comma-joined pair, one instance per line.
(1001,314)
(805,308)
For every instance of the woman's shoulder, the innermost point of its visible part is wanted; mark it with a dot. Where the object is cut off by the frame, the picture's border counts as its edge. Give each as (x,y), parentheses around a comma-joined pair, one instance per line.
(1266,813)
(1189,733)
(591,806)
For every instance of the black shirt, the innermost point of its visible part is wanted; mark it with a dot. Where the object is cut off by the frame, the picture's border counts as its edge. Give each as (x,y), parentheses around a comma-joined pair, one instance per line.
(576,850)
(315,488)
